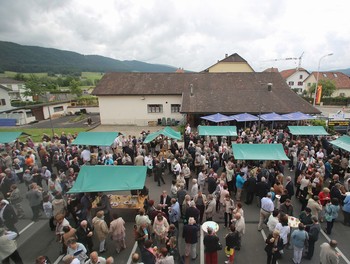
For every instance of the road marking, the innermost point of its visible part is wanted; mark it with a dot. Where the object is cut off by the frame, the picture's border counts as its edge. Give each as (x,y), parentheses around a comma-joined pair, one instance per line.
(58,259)
(337,249)
(132,252)
(201,247)
(24,229)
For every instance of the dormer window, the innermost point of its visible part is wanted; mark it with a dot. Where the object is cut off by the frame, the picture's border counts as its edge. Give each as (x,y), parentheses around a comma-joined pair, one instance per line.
(325,75)
(335,75)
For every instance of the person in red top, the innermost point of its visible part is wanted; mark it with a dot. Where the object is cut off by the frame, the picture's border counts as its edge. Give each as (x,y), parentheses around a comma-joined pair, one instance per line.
(324,196)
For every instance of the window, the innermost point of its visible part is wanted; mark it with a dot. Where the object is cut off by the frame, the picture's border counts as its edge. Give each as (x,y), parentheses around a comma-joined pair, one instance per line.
(300,83)
(2,102)
(308,84)
(155,108)
(342,94)
(175,108)
(58,109)
(29,113)
(300,76)
(291,83)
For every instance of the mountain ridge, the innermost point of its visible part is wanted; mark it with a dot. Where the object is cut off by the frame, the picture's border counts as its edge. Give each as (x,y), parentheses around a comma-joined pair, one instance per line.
(33,59)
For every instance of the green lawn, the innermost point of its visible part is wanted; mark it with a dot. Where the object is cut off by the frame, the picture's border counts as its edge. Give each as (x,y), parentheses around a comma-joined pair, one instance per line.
(37,133)
(92,75)
(13,74)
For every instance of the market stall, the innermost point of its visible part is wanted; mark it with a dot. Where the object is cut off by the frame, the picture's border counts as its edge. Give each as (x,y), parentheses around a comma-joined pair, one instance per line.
(217,131)
(343,142)
(307,130)
(166,132)
(10,137)
(95,138)
(259,152)
(111,179)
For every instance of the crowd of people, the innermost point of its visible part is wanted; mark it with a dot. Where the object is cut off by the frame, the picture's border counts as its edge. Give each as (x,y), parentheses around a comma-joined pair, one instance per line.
(207,184)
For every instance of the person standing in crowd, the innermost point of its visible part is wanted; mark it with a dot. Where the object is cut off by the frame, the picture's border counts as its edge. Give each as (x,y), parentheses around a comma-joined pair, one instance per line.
(174,213)
(331,213)
(117,231)
(15,199)
(200,200)
(35,198)
(95,259)
(273,247)
(239,185)
(84,235)
(8,247)
(328,254)
(160,228)
(289,187)
(298,238)
(77,250)
(232,243)
(273,220)
(210,207)
(250,188)
(239,223)
(8,215)
(211,247)
(346,209)
(142,234)
(100,230)
(105,206)
(314,231)
(267,208)
(190,234)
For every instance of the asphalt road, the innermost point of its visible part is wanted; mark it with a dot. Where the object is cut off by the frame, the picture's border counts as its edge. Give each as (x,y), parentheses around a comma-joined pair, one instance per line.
(37,239)
(65,122)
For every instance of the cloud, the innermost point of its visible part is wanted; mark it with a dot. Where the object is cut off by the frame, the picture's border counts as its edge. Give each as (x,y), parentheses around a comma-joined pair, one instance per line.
(191,34)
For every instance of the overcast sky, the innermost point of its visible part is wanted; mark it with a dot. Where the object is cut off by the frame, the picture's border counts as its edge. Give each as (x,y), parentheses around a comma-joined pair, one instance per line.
(192,34)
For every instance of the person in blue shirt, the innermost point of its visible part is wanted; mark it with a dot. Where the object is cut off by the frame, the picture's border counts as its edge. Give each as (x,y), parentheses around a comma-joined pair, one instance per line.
(239,185)
(298,238)
(346,209)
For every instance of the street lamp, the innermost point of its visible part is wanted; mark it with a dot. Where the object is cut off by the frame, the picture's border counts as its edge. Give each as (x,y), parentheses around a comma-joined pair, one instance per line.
(318,72)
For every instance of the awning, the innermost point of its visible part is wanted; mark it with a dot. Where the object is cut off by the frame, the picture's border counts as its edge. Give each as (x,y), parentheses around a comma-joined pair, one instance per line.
(298,116)
(343,142)
(102,178)
(95,138)
(9,137)
(217,118)
(273,117)
(167,132)
(307,130)
(259,152)
(244,117)
(217,131)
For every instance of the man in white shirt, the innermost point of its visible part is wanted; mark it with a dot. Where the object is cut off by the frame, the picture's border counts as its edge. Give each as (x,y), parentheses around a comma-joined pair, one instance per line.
(273,220)
(85,155)
(267,208)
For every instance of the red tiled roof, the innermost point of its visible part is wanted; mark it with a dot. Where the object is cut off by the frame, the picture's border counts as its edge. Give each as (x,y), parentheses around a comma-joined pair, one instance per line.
(341,80)
(286,73)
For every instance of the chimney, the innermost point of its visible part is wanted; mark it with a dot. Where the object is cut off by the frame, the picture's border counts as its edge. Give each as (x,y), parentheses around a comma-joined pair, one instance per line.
(191,89)
(269,87)
(226,55)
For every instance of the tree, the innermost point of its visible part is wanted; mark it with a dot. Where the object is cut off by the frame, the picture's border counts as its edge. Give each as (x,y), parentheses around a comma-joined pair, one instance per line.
(34,87)
(74,88)
(328,88)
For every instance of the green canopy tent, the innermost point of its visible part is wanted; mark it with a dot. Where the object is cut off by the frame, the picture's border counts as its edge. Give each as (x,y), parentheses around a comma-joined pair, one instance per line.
(259,152)
(9,137)
(217,131)
(307,130)
(95,138)
(102,178)
(167,132)
(343,142)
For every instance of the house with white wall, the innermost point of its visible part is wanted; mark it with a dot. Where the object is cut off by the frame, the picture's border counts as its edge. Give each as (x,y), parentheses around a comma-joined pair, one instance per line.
(17,89)
(295,78)
(5,101)
(341,81)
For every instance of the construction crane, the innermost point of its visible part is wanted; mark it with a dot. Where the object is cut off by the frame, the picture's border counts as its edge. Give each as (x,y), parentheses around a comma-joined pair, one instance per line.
(287,59)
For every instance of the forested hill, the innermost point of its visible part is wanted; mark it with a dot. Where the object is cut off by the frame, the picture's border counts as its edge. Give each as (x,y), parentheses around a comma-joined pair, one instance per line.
(19,58)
